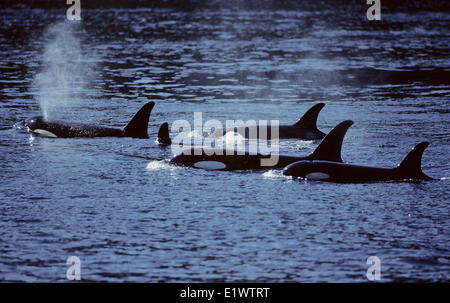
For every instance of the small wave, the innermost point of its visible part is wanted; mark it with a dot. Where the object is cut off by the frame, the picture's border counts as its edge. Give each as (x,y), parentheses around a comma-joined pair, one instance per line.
(445,178)
(158,165)
(19,125)
(301,145)
(273,174)
(193,134)
(232,136)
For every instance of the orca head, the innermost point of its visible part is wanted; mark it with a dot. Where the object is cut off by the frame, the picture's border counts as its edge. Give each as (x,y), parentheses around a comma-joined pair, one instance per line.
(35,122)
(38,125)
(302,169)
(183,159)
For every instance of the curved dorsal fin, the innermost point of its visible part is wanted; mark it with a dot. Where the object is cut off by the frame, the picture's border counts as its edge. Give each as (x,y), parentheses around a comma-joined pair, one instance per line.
(137,127)
(309,119)
(330,147)
(163,135)
(411,166)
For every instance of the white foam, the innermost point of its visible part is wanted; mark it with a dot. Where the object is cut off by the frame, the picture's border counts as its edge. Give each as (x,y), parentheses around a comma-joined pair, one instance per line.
(234,136)
(194,134)
(158,165)
(273,174)
(233,140)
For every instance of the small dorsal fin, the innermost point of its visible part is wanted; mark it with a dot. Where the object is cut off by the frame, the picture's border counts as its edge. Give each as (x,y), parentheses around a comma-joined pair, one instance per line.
(330,147)
(137,127)
(163,135)
(309,119)
(411,166)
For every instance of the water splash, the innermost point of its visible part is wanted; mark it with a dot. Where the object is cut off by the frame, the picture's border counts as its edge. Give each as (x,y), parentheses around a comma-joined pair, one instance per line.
(273,174)
(233,140)
(158,165)
(65,71)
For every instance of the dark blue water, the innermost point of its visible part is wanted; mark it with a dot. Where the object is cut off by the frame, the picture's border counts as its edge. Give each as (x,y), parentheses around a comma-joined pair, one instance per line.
(130,216)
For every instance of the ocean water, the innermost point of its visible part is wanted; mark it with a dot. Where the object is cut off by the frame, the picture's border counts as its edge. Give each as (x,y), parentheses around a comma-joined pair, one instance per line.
(118,205)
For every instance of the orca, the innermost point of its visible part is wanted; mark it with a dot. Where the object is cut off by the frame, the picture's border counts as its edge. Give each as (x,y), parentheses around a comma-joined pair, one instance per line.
(305,128)
(221,159)
(136,128)
(163,135)
(408,169)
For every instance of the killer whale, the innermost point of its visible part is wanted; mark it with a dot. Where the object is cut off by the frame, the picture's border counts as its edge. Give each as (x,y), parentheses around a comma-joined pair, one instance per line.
(136,128)
(409,169)
(305,128)
(329,149)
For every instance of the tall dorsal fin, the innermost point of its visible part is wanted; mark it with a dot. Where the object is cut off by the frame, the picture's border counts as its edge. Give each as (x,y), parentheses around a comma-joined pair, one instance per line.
(137,127)
(411,166)
(163,135)
(330,147)
(309,119)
